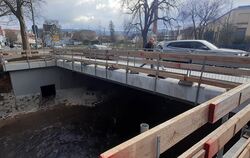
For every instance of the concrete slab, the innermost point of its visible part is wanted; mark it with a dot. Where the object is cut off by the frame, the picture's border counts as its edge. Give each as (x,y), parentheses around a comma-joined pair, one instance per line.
(167,87)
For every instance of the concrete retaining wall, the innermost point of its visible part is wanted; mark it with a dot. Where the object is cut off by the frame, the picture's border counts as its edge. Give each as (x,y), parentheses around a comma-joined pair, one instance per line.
(29,81)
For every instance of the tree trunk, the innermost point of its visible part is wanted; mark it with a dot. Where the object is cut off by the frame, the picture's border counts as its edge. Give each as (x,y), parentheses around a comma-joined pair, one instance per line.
(144,38)
(25,41)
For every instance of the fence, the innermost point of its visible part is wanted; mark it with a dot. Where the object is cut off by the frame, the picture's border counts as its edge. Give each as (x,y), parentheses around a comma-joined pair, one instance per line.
(221,71)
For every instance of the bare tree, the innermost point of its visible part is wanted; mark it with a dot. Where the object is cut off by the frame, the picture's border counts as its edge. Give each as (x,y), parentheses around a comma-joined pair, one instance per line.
(200,13)
(112,31)
(18,8)
(143,14)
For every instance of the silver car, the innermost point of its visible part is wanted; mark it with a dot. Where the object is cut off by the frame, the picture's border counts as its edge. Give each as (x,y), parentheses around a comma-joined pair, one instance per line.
(197,46)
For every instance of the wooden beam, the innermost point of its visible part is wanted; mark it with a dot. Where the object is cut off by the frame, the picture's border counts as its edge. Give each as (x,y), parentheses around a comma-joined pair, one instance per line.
(246,152)
(210,69)
(218,138)
(207,57)
(200,154)
(218,108)
(170,132)
(241,149)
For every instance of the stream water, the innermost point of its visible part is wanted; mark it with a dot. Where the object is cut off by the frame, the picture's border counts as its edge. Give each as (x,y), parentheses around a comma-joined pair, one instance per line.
(77,131)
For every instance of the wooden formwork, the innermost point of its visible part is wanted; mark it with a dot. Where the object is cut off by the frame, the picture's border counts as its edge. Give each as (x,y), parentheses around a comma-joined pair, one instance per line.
(176,129)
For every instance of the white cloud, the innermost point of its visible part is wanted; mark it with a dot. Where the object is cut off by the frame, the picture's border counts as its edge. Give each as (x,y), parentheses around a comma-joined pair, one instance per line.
(82,2)
(115,5)
(101,6)
(84,18)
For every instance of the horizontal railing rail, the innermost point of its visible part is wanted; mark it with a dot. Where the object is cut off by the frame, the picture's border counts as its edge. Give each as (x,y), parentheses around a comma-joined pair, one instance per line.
(230,76)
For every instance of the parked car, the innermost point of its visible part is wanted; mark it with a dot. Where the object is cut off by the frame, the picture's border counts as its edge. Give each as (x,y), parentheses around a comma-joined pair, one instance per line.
(197,46)
(57,46)
(99,47)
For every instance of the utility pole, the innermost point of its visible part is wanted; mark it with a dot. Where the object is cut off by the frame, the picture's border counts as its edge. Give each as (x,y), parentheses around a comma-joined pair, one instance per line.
(155,24)
(34,25)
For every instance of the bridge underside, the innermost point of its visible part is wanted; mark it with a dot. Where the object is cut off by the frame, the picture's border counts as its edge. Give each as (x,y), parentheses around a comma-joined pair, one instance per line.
(168,87)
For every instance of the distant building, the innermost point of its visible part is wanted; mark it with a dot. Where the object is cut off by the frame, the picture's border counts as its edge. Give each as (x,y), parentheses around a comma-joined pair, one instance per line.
(239,18)
(2,37)
(51,33)
(186,34)
(14,36)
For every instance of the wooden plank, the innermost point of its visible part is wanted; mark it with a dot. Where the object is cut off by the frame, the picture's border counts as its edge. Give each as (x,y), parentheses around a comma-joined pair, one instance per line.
(241,149)
(200,154)
(170,132)
(218,138)
(213,82)
(207,57)
(245,153)
(220,109)
(210,69)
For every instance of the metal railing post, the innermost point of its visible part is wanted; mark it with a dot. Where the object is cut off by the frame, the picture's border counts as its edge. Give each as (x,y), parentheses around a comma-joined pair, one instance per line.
(95,62)
(27,58)
(106,52)
(72,60)
(117,58)
(127,68)
(158,147)
(81,60)
(157,72)
(199,83)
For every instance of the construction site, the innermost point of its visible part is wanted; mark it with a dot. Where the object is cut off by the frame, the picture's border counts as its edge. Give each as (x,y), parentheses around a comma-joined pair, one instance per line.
(89,103)
(172,81)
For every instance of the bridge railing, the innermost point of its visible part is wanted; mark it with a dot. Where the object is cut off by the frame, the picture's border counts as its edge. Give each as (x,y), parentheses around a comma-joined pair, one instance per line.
(221,71)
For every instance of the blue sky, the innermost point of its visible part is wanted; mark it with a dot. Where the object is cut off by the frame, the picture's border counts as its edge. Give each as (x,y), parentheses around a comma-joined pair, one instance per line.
(88,14)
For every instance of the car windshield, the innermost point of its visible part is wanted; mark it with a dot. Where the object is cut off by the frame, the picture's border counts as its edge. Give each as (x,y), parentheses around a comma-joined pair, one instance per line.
(210,45)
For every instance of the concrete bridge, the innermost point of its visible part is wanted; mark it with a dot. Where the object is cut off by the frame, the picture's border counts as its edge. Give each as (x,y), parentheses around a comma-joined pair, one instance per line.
(187,77)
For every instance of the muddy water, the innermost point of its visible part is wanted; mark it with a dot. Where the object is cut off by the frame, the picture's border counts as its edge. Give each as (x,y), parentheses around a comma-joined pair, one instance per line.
(84,132)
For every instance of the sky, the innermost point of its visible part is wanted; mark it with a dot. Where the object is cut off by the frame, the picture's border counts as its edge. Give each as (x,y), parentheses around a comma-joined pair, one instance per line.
(86,14)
